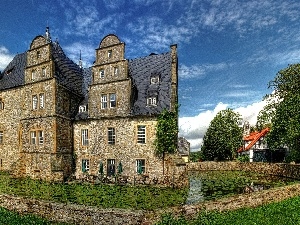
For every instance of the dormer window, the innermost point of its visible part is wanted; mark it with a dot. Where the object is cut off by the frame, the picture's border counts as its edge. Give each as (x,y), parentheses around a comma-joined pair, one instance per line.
(152,101)
(82,108)
(109,54)
(101,73)
(154,80)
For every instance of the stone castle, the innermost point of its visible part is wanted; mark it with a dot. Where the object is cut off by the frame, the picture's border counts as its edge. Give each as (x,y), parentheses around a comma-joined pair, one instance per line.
(58,119)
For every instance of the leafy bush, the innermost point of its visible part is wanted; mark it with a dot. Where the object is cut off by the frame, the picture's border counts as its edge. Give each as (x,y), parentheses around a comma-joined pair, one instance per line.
(243,158)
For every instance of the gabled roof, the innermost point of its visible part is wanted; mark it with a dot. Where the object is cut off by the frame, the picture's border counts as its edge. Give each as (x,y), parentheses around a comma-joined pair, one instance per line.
(13,74)
(253,137)
(141,70)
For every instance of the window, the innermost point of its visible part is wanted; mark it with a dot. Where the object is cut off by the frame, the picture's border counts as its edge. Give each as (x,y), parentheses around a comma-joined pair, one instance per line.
(116,71)
(82,108)
(109,53)
(111,168)
(101,72)
(34,102)
(33,137)
(42,103)
(141,134)
(112,100)
(37,137)
(41,137)
(140,166)
(33,75)
(154,80)
(85,166)
(1,137)
(38,54)
(111,135)
(103,101)
(84,137)
(1,104)
(44,71)
(151,101)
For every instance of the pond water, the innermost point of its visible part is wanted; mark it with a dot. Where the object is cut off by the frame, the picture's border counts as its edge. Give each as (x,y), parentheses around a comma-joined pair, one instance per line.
(210,185)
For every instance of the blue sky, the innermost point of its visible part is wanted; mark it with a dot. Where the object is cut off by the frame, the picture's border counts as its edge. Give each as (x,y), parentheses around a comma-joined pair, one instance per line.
(228,50)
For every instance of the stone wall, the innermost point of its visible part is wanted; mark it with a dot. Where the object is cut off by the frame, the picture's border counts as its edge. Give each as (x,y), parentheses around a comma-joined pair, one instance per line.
(125,150)
(278,169)
(73,214)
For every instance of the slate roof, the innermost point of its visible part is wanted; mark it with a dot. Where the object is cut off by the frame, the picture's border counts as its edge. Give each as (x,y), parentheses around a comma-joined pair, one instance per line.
(253,137)
(68,73)
(141,70)
(13,74)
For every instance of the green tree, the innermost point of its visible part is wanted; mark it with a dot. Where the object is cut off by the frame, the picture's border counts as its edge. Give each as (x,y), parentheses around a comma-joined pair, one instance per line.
(223,136)
(285,130)
(166,132)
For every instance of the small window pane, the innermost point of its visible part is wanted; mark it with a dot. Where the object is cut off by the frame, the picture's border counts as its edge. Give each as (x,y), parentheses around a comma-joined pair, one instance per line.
(103,101)
(141,134)
(140,166)
(34,102)
(112,100)
(84,137)
(1,137)
(42,103)
(33,137)
(101,72)
(41,137)
(85,165)
(111,135)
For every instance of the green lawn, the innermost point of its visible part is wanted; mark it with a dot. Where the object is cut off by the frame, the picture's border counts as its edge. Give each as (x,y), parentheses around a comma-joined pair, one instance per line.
(102,195)
(10,218)
(286,212)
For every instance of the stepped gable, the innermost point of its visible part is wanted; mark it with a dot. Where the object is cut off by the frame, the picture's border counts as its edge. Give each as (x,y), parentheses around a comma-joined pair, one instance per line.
(141,70)
(68,73)
(13,74)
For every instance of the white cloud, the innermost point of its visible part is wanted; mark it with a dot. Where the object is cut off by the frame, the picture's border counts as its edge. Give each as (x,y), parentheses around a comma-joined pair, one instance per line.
(194,128)
(5,57)
(87,53)
(200,71)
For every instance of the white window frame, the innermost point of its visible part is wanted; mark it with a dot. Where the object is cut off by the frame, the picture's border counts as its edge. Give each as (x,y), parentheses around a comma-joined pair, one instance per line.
(85,165)
(141,134)
(84,137)
(101,73)
(33,137)
(34,102)
(138,162)
(116,70)
(44,72)
(152,101)
(109,54)
(41,137)
(154,80)
(33,74)
(82,108)
(42,100)
(112,100)
(103,101)
(111,135)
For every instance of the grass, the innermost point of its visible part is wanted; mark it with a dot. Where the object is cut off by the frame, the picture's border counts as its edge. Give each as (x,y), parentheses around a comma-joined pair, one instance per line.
(10,218)
(285,212)
(104,195)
